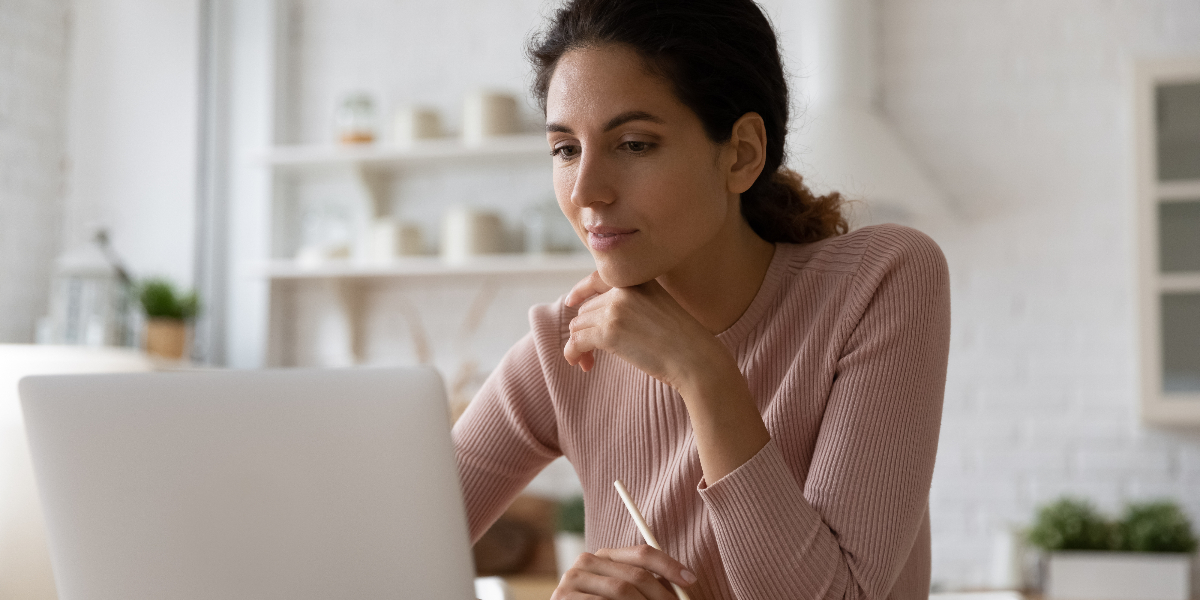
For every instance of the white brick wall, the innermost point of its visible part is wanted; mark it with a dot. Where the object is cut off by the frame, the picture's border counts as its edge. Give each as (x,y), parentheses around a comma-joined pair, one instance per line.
(1021,110)
(33,84)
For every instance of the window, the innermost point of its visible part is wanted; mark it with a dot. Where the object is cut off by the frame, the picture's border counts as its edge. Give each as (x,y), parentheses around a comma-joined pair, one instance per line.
(1168,129)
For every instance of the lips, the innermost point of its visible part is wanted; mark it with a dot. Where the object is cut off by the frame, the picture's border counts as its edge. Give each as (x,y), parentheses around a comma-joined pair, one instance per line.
(606,237)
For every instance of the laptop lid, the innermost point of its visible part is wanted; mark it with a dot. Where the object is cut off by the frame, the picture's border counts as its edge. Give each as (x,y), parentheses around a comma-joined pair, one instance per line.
(297,484)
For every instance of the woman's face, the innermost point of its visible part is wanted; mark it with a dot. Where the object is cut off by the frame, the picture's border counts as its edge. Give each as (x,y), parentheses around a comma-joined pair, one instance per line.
(634,170)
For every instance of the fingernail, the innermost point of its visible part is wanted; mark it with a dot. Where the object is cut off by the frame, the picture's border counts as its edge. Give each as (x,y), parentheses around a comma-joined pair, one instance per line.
(688,576)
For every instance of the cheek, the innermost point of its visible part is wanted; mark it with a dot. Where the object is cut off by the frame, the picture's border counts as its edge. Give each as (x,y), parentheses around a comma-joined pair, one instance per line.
(687,201)
(564,183)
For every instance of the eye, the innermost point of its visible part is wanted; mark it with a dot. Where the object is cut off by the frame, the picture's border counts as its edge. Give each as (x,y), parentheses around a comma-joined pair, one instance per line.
(636,146)
(565,151)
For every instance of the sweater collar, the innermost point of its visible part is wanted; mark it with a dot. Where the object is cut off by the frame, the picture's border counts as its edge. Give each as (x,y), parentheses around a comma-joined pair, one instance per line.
(737,332)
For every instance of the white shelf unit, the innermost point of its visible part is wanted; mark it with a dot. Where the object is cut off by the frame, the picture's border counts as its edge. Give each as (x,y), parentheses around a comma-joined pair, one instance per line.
(1169,287)
(373,167)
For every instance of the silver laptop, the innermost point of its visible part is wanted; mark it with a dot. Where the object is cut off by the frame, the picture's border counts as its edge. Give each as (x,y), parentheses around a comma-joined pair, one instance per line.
(296,484)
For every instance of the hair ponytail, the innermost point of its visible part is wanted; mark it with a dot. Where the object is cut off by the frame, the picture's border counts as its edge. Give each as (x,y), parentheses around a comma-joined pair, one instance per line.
(723,60)
(783,209)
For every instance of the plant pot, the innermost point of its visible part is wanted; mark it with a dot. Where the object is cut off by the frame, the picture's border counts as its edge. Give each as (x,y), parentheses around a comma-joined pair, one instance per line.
(1098,575)
(166,338)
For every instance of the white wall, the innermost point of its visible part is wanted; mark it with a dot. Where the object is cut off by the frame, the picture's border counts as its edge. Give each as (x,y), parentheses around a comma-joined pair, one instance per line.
(406,52)
(1022,112)
(33,84)
(132,123)
(425,53)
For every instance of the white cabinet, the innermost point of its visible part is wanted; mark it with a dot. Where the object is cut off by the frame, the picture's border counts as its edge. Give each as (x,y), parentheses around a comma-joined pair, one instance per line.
(1168,188)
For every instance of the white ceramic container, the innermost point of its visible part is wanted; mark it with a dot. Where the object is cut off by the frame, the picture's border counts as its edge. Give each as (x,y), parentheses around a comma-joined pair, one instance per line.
(468,232)
(415,123)
(1118,576)
(488,114)
(391,238)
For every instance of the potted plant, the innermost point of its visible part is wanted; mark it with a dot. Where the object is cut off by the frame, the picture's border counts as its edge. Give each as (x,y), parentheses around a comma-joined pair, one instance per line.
(568,542)
(1145,556)
(168,314)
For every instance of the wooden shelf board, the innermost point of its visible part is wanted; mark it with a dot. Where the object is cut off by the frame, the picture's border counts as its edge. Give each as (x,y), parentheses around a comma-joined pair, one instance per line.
(1179,282)
(500,264)
(525,146)
(1173,191)
(1173,410)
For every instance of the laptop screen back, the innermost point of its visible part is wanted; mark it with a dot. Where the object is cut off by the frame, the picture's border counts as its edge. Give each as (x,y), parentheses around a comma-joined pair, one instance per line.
(297,484)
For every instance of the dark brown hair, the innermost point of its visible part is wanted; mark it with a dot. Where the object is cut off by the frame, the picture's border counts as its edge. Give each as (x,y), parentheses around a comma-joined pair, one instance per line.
(722,59)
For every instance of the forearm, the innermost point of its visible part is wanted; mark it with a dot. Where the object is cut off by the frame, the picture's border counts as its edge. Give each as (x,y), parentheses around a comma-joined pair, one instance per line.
(773,542)
(729,429)
(506,436)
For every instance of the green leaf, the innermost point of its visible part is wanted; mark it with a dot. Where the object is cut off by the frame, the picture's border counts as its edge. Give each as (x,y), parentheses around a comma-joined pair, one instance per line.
(1072,524)
(160,300)
(1157,526)
(570,515)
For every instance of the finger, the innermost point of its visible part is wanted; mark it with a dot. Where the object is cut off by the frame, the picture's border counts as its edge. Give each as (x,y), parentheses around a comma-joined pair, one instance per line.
(597,302)
(610,588)
(586,288)
(653,560)
(613,580)
(584,320)
(581,342)
(587,317)
(649,584)
(562,593)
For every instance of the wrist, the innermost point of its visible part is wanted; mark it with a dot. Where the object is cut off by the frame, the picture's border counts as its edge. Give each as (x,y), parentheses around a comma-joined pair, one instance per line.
(729,429)
(711,370)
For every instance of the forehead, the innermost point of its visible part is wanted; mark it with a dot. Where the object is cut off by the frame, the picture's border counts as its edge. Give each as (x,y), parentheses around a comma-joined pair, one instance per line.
(592,84)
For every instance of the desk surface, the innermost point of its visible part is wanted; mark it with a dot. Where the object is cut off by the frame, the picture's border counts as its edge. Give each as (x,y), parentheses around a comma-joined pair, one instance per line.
(531,587)
(541,588)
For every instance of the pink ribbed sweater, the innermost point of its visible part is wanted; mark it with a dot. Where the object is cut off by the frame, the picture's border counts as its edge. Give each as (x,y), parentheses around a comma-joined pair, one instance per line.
(844,348)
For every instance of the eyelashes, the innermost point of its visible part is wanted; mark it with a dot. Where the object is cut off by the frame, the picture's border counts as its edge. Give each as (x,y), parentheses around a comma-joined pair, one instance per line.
(565,152)
(636,147)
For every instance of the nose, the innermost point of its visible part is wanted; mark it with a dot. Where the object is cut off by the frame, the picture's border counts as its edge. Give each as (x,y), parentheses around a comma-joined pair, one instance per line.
(593,181)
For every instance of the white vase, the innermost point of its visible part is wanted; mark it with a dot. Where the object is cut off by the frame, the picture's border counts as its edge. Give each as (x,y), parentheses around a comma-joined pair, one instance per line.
(1098,575)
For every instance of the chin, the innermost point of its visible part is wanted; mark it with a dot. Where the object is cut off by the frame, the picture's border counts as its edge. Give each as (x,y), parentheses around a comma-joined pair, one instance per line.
(625,273)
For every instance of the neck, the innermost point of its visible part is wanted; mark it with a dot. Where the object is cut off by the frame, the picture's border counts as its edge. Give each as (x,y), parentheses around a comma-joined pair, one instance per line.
(717,283)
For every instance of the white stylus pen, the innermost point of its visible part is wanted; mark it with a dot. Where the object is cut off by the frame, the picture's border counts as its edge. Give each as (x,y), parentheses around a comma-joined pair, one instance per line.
(644,528)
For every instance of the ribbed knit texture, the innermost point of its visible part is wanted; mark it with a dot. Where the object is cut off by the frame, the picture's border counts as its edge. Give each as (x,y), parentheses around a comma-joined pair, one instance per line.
(844,348)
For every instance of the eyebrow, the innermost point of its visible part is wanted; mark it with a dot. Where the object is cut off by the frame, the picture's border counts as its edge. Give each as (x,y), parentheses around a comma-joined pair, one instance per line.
(613,123)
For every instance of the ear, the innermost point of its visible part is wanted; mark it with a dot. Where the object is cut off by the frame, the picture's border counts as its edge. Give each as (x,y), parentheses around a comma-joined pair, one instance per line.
(747,149)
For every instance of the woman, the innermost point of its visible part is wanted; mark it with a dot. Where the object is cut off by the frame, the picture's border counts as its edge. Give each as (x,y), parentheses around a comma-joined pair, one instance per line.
(767,385)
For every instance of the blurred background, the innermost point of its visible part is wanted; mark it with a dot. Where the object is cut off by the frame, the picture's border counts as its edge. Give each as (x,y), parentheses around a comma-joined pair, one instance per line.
(363,182)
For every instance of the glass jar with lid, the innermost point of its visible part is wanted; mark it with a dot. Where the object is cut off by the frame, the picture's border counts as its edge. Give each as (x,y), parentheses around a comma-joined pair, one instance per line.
(355,119)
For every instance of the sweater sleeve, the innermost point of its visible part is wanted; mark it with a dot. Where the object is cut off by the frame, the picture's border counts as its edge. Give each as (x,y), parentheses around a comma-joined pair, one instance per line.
(505,437)
(847,530)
